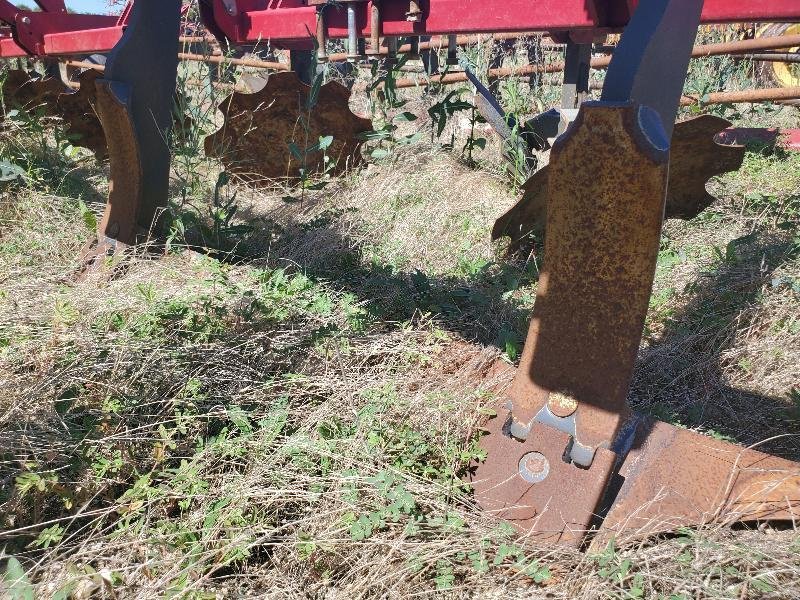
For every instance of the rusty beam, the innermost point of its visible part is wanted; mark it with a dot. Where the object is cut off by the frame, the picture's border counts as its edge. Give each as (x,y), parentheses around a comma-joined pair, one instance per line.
(241,62)
(787,57)
(762,95)
(602,62)
(461,40)
(244,62)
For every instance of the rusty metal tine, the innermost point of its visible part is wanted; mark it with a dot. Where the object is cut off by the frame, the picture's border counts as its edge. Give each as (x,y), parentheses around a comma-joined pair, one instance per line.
(675,477)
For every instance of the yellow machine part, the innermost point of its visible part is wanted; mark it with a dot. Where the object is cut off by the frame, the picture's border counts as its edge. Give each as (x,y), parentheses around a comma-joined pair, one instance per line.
(783,74)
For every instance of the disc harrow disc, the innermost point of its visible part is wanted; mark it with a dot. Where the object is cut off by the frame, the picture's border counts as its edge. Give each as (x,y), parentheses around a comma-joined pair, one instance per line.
(261,130)
(78,111)
(694,159)
(22,90)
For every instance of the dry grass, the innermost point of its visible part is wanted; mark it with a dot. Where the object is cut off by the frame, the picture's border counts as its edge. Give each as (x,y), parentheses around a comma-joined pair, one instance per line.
(296,424)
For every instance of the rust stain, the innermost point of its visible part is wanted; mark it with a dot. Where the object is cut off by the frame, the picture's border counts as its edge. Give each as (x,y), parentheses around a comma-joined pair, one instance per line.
(694,158)
(676,478)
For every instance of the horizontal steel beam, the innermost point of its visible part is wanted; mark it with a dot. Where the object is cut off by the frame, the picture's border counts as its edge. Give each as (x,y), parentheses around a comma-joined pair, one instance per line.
(293,22)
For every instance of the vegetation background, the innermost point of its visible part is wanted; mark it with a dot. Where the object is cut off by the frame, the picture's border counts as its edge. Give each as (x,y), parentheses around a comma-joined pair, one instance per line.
(281,401)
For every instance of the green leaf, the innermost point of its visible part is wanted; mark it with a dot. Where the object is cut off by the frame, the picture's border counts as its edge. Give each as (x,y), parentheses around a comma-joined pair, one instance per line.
(313,95)
(295,151)
(378,134)
(325,142)
(405,117)
(16,581)
(409,139)
(89,218)
(762,586)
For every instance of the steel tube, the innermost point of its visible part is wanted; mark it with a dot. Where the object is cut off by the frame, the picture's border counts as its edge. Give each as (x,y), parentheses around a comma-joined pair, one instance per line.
(242,62)
(744,96)
(375,29)
(452,50)
(602,62)
(322,36)
(787,57)
(352,32)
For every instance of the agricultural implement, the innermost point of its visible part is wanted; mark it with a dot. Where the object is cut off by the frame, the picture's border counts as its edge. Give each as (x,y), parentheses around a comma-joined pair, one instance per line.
(567,459)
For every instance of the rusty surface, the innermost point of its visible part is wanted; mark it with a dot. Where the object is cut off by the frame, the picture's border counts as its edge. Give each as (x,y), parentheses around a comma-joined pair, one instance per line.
(147,94)
(22,90)
(562,405)
(675,477)
(558,509)
(78,109)
(604,227)
(254,140)
(80,115)
(743,96)
(125,185)
(602,62)
(671,478)
(694,159)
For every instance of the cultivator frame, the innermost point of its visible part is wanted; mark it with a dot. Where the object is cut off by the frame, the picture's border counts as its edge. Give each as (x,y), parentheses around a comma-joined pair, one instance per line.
(567,460)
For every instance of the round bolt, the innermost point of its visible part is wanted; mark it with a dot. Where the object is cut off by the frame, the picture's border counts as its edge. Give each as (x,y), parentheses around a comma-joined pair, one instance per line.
(562,405)
(534,467)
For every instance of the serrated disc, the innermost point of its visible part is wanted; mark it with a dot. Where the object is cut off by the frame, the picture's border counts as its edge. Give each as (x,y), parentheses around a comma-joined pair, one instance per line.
(259,130)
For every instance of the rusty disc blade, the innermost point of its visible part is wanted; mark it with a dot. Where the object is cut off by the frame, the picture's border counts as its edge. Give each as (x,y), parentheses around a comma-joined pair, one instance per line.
(22,90)
(675,478)
(694,158)
(260,130)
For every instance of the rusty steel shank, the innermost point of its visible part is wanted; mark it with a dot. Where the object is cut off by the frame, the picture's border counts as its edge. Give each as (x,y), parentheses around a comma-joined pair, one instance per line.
(604,223)
(135,109)
(566,455)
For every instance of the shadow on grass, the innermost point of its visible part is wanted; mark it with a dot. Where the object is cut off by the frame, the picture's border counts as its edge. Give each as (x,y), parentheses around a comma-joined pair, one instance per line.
(680,376)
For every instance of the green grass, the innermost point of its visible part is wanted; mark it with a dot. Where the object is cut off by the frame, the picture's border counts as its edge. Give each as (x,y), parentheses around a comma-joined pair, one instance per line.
(297,422)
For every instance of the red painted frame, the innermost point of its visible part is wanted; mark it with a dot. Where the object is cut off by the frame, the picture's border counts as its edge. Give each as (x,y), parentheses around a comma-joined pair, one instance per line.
(293,21)
(52,32)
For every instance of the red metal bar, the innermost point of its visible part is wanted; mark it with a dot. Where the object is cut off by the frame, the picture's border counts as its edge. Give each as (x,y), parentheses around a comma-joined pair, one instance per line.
(53,32)
(32,27)
(293,21)
(10,49)
(718,11)
(52,5)
(83,42)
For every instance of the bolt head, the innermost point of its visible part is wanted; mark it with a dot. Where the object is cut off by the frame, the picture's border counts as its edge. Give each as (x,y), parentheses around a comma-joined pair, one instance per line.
(562,405)
(534,467)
